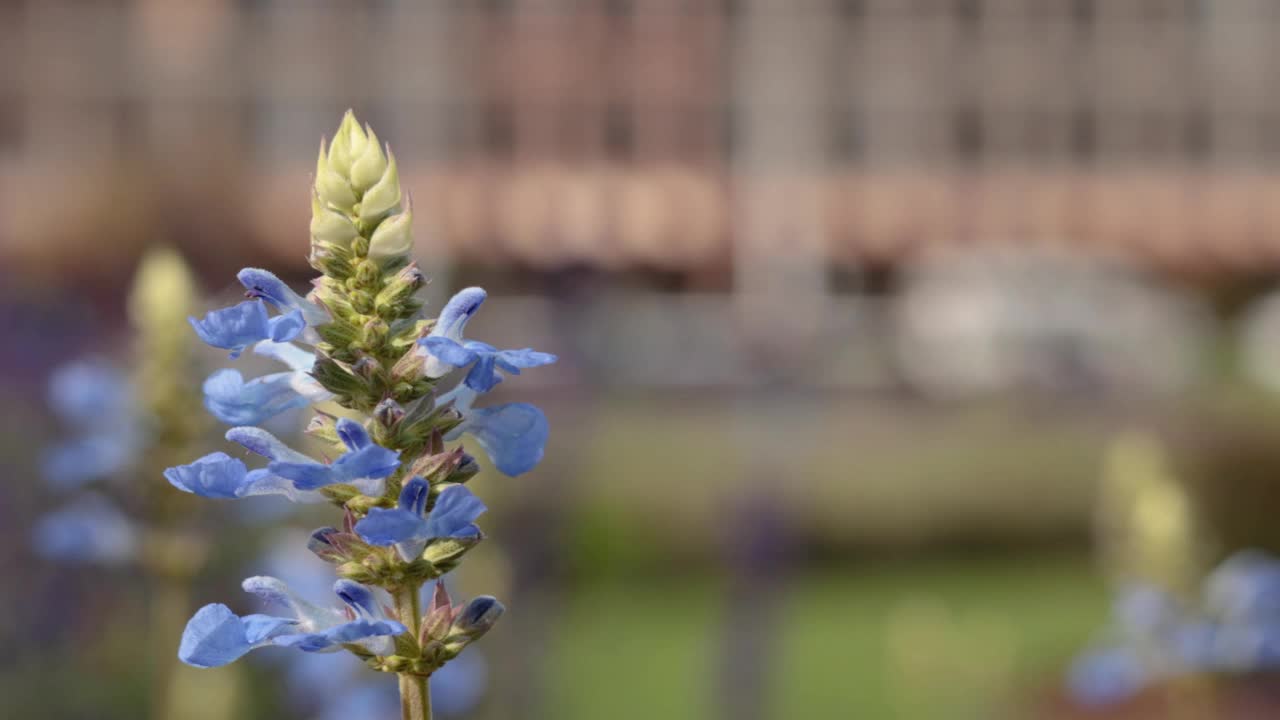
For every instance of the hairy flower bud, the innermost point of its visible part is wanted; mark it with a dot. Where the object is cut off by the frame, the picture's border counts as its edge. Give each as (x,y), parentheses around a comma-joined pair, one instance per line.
(368,168)
(332,228)
(476,619)
(384,196)
(331,187)
(393,238)
(348,143)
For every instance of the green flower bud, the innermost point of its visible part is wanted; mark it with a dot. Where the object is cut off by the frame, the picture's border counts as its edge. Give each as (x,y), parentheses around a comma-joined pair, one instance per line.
(384,196)
(367,169)
(397,297)
(393,238)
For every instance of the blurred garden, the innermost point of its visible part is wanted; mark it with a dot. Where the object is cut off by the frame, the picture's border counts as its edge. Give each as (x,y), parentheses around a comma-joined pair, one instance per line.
(912,360)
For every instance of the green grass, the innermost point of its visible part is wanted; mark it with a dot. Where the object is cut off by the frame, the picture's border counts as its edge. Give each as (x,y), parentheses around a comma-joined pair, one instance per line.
(929,640)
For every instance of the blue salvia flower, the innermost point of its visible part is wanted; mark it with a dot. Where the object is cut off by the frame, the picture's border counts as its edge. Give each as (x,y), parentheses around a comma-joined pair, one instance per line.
(232,400)
(216,636)
(409,527)
(262,284)
(513,435)
(228,396)
(96,402)
(444,348)
(239,326)
(290,473)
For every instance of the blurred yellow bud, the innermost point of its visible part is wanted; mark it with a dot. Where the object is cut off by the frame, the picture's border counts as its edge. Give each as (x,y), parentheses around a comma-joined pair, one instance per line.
(393,238)
(163,293)
(368,167)
(384,196)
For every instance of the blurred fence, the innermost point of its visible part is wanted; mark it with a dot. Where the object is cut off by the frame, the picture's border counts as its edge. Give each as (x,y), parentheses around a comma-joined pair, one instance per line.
(690,135)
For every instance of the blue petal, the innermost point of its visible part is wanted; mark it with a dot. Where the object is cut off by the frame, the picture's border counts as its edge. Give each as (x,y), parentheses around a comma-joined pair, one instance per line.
(214,637)
(388,527)
(413,496)
(453,318)
(263,284)
(284,328)
(352,434)
(454,514)
(260,441)
(261,628)
(340,634)
(370,461)
(488,359)
(448,351)
(482,376)
(357,596)
(513,360)
(295,357)
(86,393)
(513,435)
(237,327)
(263,482)
(305,475)
(216,475)
(233,401)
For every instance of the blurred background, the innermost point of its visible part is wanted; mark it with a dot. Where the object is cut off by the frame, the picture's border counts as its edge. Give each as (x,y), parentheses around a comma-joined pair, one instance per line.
(862,307)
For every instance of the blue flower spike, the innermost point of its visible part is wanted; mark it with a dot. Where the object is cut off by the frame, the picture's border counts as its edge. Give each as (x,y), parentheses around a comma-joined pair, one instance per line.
(393,420)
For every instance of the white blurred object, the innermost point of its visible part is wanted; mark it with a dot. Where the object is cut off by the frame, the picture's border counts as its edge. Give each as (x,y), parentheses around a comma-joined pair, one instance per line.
(1260,342)
(993,319)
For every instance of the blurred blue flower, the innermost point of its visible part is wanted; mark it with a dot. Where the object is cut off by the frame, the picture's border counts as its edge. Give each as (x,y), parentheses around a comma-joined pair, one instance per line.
(216,636)
(96,402)
(1107,676)
(1235,629)
(406,527)
(239,326)
(1245,587)
(88,529)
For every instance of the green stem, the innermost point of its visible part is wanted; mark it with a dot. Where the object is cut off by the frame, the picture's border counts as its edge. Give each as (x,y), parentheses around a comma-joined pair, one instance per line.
(415,693)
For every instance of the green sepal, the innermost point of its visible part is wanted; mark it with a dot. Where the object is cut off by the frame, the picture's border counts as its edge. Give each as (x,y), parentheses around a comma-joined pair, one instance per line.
(446,553)
(338,377)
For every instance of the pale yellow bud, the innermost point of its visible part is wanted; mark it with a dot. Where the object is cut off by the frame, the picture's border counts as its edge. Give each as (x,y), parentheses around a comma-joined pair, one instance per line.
(368,167)
(384,196)
(393,238)
(331,188)
(347,144)
(332,227)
